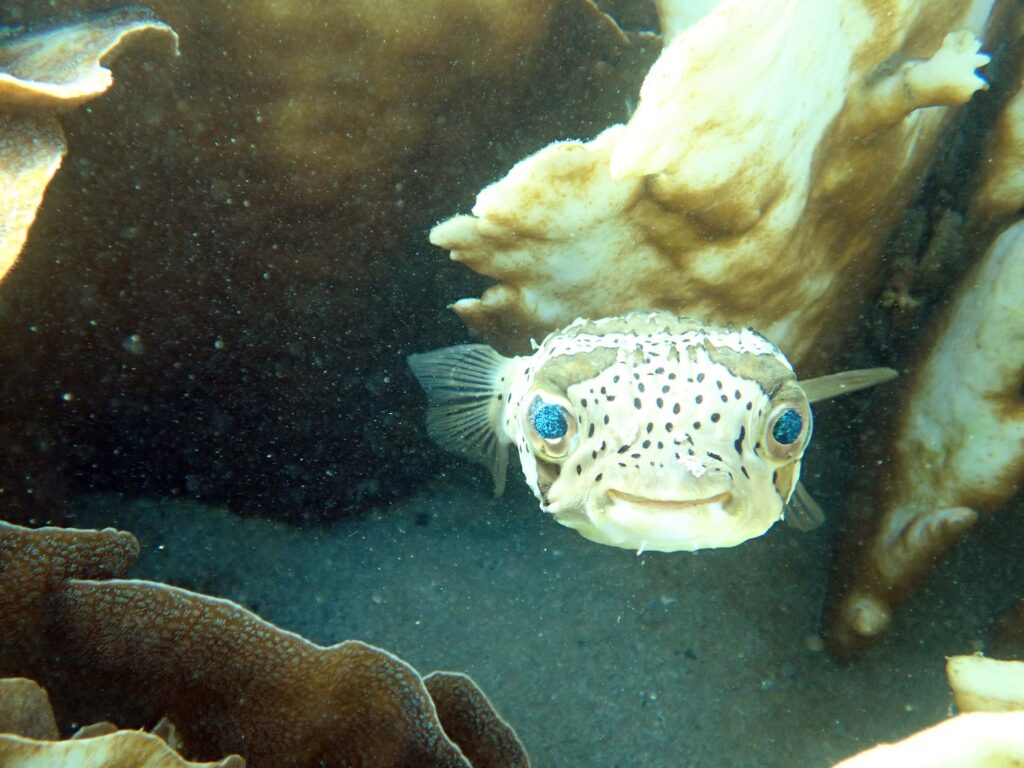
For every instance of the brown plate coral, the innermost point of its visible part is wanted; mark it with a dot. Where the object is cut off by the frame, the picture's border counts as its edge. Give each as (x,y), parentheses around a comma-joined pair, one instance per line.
(136,651)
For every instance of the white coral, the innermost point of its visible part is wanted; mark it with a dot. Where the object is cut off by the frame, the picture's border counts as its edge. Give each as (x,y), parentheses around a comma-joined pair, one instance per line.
(735,192)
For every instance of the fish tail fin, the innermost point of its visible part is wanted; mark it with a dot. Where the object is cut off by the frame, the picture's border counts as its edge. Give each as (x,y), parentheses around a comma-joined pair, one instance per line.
(466,387)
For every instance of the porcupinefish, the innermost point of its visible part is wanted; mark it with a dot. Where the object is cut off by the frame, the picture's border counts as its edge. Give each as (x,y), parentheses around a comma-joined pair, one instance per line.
(646,431)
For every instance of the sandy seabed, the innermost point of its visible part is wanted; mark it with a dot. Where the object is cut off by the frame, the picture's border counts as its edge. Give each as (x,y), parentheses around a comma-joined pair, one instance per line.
(598,657)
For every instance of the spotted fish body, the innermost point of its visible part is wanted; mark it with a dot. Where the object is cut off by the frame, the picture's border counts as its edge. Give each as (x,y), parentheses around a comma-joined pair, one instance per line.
(645,431)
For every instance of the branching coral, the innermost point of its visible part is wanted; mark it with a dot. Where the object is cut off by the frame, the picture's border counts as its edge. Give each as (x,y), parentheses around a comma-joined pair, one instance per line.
(41,72)
(773,147)
(958,447)
(133,651)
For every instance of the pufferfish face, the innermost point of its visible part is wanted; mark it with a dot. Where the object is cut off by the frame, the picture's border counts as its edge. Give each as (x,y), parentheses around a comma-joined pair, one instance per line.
(656,435)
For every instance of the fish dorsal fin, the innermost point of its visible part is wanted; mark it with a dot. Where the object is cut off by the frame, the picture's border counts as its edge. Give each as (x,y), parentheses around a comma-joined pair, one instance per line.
(824,387)
(466,387)
(803,512)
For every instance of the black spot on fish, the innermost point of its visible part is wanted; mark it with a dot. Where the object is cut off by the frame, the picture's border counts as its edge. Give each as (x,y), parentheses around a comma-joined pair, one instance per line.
(598,478)
(700,377)
(725,398)
(696,425)
(744,471)
(623,449)
(590,431)
(579,470)
(583,402)
(736,395)
(715,417)
(636,403)
(659,402)
(699,399)
(714,456)
(641,387)
(634,455)
(650,427)
(675,409)
(645,444)
(668,426)
(738,444)
(606,418)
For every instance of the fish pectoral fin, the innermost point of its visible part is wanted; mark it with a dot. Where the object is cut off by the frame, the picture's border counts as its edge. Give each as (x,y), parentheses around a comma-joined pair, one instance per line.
(466,387)
(803,512)
(824,387)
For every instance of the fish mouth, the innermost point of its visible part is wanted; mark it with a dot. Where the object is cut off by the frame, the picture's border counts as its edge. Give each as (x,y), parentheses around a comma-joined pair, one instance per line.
(669,504)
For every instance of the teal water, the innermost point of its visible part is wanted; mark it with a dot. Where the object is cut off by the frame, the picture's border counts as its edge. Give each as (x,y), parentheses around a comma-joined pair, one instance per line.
(596,656)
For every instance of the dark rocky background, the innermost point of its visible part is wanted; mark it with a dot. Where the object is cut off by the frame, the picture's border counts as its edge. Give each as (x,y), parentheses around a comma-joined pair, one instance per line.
(217,297)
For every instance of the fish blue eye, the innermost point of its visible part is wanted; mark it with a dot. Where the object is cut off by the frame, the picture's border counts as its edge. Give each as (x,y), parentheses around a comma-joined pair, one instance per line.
(788,427)
(549,421)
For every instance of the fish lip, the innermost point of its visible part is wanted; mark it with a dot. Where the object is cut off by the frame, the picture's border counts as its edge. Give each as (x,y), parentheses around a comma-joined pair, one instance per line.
(643,501)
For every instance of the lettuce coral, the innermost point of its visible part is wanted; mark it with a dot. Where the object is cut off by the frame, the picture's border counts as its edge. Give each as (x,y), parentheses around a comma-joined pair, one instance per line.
(133,651)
